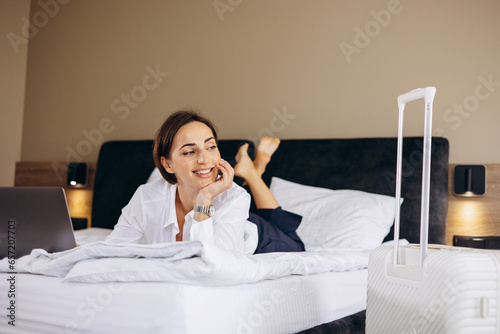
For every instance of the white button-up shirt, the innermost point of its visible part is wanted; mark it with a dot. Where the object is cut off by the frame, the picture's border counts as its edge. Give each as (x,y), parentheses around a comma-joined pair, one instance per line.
(150,215)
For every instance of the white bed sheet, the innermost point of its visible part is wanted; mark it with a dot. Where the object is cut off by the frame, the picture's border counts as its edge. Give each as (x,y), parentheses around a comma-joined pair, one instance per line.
(285,305)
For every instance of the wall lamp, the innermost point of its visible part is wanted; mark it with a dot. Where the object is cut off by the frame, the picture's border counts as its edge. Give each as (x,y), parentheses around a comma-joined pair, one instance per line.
(469,180)
(77,174)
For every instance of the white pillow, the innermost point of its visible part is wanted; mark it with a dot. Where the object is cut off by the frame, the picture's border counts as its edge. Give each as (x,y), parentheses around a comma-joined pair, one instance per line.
(336,218)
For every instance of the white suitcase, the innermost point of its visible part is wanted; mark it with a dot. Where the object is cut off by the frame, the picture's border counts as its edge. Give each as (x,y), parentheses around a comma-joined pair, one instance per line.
(421,288)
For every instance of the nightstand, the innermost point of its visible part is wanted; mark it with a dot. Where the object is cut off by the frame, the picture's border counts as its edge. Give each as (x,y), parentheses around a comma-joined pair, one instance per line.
(485,242)
(79,223)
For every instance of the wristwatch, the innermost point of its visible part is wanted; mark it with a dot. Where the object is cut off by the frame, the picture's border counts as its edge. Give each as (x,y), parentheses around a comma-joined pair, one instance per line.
(208,210)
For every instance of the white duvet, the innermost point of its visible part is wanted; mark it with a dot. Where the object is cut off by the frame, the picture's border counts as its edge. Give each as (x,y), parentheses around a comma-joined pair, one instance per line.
(192,262)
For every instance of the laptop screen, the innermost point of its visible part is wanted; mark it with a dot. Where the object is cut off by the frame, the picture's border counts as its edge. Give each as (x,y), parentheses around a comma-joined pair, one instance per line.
(34,217)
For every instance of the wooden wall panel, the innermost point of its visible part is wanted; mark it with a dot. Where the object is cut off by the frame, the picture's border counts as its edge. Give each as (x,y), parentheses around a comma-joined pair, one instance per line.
(475,215)
(54,174)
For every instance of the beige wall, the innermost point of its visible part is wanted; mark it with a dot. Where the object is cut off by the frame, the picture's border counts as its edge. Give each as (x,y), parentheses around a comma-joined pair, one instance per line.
(13,56)
(290,68)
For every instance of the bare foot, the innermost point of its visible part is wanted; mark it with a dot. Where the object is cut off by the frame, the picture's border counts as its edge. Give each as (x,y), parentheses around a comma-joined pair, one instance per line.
(244,165)
(267,146)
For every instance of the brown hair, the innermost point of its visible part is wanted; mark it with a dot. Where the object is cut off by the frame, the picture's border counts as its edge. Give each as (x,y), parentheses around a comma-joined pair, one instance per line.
(164,138)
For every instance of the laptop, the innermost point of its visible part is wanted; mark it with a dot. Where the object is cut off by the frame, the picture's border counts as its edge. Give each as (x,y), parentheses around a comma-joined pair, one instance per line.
(34,217)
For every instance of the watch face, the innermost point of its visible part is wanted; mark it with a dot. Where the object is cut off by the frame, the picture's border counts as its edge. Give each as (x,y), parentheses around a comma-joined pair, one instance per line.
(211,211)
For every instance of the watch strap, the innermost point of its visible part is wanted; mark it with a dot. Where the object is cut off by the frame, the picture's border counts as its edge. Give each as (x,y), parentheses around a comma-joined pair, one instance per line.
(208,210)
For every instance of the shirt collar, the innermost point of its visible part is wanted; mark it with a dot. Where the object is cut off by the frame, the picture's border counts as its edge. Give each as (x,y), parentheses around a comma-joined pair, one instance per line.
(170,214)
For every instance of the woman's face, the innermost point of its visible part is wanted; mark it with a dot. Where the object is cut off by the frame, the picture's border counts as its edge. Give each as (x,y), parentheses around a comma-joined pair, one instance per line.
(194,156)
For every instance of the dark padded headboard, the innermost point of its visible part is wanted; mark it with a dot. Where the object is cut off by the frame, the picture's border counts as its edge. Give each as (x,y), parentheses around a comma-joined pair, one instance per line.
(123,166)
(367,164)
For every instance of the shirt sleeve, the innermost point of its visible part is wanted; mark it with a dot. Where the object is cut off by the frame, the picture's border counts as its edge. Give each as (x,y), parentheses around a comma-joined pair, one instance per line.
(226,229)
(128,229)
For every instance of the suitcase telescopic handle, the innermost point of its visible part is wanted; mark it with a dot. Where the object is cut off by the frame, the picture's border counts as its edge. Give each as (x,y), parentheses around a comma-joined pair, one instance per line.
(427,94)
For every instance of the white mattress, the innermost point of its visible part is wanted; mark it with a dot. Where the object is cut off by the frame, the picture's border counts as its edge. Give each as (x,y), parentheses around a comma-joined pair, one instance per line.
(284,305)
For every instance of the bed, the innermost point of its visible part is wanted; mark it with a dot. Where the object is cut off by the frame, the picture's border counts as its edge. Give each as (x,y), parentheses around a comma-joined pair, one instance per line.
(196,288)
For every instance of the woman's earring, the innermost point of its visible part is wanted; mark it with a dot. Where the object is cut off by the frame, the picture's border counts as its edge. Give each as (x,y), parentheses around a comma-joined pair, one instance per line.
(166,166)
(169,169)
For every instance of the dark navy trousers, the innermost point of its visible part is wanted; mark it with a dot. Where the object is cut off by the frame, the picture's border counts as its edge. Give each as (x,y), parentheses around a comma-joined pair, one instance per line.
(277,230)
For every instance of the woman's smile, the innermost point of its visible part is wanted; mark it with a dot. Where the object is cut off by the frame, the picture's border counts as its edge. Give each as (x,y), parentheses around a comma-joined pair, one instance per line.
(204,173)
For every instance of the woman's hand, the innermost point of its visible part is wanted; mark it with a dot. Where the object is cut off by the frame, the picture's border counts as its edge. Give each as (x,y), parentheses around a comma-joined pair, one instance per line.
(223,183)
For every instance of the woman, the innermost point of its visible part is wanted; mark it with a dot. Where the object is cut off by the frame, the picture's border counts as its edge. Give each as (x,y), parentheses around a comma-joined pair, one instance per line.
(200,201)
